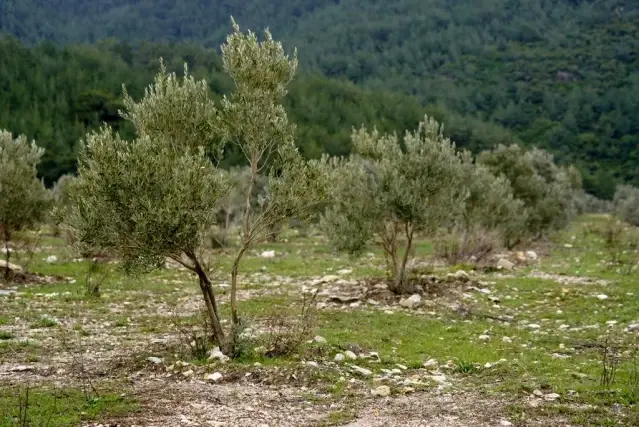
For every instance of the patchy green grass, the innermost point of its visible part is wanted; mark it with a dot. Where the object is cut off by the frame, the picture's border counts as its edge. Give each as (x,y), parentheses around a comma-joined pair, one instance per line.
(58,407)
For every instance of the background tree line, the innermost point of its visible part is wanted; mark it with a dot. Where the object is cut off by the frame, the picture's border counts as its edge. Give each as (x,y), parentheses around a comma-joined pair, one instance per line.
(559,74)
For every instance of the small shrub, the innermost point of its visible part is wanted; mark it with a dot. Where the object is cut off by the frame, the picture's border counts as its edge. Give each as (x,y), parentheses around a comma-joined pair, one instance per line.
(456,247)
(286,330)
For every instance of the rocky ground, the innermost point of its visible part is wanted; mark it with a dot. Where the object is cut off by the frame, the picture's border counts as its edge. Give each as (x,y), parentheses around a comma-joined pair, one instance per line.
(527,341)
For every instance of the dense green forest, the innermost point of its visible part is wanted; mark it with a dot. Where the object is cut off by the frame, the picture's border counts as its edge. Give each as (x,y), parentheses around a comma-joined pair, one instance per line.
(559,74)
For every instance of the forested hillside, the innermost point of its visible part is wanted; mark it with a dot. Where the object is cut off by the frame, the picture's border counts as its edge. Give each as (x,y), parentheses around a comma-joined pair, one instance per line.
(560,74)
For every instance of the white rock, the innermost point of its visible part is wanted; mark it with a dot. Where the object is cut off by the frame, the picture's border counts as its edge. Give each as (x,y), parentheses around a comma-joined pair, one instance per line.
(188,373)
(505,264)
(484,291)
(344,271)
(537,393)
(13,267)
(313,364)
(155,360)
(339,357)
(216,354)
(484,337)
(214,377)
(362,371)
(552,396)
(441,379)
(462,275)
(533,326)
(51,259)
(350,355)
(488,365)
(381,391)
(505,423)
(602,297)
(507,340)
(611,322)
(568,245)
(411,302)
(431,363)
(268,254)
(319,339)
(560,356)
(402,367)
(532,255)
(633,327)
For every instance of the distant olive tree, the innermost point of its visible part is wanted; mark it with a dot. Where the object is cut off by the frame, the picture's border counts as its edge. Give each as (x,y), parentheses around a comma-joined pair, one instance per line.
(24,201)
(547,190)
(391,190)
(490,216)
(626,204)
(158,196)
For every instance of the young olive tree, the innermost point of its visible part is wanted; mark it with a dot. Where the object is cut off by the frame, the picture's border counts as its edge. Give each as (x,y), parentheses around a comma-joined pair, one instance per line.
(391,190)
(626,204)
(254,119)
(24,201)
(546,190)
(153,197)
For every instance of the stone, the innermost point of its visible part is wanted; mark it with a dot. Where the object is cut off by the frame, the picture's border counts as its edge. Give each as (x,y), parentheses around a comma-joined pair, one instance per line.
(507,340)
(505,264)
(532,255)
(633,327)
(602,297)
(216,354)
(440,379)
(430,363)
(362,371)
(411,302)
(381,391)
(533,326)
(350,355)
(268,254)
(462,276)
(505,423)
(214,377)
(313,364)
(537,393)
(51,259)
(344,271)
(402,367)
(13,267)
(484,337)
(155,360)
(611,322)
(188,373)
(560,356)
(552,396)
(319,339)
(339,357)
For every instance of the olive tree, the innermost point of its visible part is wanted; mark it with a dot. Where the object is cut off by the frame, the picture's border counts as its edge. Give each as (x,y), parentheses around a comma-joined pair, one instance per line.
(24,201)
(391,189)
(490,215)
(626,204)
(547,190)
(158,196)
(254,119)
